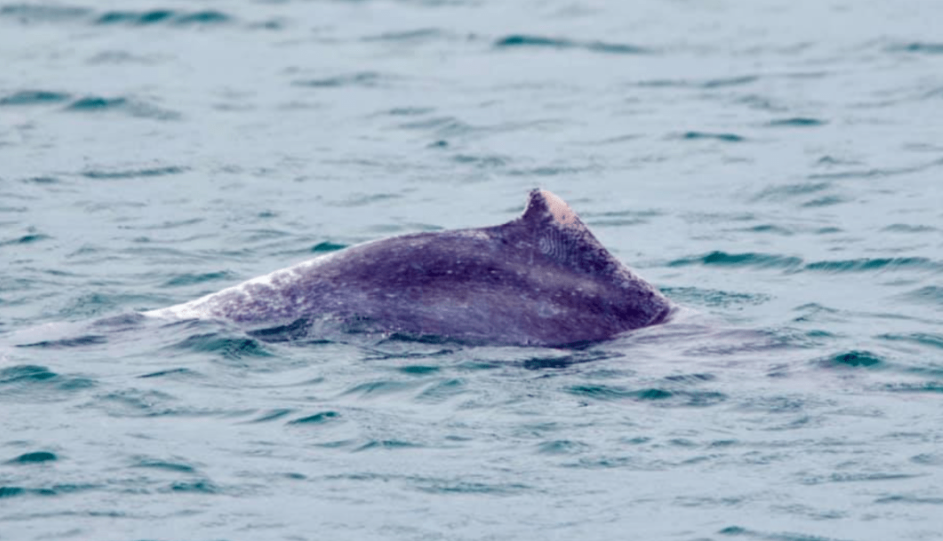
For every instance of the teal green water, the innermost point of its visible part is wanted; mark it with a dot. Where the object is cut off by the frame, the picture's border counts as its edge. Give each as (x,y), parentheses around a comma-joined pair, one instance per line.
(776,168)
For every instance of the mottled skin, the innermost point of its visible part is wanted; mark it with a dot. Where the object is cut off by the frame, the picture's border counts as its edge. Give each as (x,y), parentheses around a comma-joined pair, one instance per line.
(542,279)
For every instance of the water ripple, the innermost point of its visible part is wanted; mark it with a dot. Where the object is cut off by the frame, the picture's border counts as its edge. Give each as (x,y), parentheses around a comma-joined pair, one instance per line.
(363,79)
(740,260)
(316,419)
(34,458)
(713,298)
(130,107)
(34,97)
(700,136)
(789,263)
(854,359)
(160,16)
(34,381)
(515,41)
(920,47)
(31,13)
(226,346)
(796,122)
(99,174)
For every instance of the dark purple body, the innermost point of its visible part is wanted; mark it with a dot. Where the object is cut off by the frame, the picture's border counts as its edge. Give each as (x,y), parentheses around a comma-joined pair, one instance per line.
(541,279)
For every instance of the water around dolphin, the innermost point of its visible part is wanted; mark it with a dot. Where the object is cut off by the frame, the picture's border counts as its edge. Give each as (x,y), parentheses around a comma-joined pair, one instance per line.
(542,279)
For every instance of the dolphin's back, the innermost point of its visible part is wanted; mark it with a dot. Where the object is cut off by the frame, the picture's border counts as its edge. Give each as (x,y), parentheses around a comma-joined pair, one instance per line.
(541,279)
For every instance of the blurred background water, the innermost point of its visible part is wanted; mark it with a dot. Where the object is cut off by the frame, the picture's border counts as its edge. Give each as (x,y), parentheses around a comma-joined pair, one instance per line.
(775,167)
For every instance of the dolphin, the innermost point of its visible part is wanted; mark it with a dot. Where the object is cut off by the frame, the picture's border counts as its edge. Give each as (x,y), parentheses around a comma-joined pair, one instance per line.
(541,279)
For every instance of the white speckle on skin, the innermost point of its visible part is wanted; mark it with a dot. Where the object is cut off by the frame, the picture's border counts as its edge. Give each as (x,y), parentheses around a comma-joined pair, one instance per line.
(203,307)
(474,233)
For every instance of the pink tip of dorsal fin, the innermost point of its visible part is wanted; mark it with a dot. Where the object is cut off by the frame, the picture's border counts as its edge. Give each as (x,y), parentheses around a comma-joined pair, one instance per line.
(545,203)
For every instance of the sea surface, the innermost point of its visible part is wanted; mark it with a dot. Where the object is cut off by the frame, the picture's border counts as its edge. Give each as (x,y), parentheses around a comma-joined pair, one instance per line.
(774,167)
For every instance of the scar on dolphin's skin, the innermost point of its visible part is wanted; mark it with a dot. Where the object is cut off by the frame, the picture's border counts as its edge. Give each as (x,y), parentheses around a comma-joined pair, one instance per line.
(541,279)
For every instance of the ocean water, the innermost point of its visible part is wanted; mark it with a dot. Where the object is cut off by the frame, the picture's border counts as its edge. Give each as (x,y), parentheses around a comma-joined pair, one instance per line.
(775,167)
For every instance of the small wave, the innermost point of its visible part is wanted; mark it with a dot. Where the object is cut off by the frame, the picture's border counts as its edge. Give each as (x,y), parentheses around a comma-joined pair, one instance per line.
(442,390)
(907,228)
(706,84)
(825,201)
(602,392)
(565,361)
(419,369)
(80,341)
(37,457)
(29,378)
(136,402)
(386,445)
(200,486)
(409,111)
(327,246)
(761,103)
(98,104)
(769,228)
(550,171)
(523,40)
(729,81)
(46,180)
(740,260)
(10,491)
(791,190)
(316,419)
(871,264)
(935,387)
(908,499)
(191,279)
(465,486)
(270,24)
(26,239)
(272,415)
(562,447)
(362,199)
(229,347)
(876,172)
(920,47)
(928,294)
(855,478)
(167,224)
(760,260)
(422,34)
(33,97)
(123,57)
(481,162)
(377,388)
(173,372)
(99,174)
(618,222)
(699,135)
(33,13)
(295,330)
(443,126)
(166,465)
(853,359)
(163,16)
(364,79)
(796,122)
(650,394)
(713,298)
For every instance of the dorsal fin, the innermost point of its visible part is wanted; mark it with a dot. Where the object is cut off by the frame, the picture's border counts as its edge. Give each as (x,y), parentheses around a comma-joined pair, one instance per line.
(560,234)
